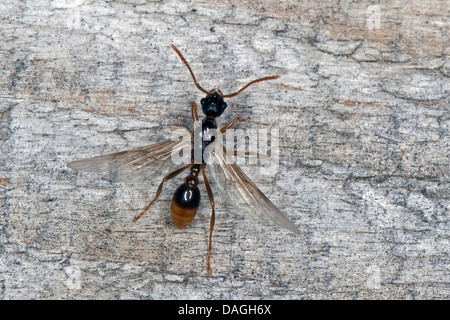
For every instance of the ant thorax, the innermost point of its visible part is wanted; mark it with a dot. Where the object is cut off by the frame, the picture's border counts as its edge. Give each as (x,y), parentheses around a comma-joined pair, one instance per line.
(205,133)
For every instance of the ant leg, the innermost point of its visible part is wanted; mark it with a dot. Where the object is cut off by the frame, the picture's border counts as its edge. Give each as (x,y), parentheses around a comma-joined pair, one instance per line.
(232,123)
(194,111)
(213,218)
(158,192)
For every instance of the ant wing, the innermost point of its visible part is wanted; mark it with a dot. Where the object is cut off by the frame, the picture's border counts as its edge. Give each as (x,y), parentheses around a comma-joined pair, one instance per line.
(136,165)
(240,187)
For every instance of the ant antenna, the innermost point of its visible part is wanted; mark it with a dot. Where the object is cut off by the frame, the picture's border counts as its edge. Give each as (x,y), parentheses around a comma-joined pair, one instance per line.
(248,84)
(187,65)
(199,87)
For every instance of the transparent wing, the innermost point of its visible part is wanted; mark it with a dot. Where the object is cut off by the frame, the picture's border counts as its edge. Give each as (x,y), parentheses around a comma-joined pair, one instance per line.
(242,190)
(135,165)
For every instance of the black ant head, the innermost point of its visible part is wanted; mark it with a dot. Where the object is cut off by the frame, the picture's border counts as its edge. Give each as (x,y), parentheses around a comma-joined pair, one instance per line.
(213,104)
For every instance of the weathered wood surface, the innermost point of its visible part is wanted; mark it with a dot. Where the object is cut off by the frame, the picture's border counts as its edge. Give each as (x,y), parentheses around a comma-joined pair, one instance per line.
(362,105)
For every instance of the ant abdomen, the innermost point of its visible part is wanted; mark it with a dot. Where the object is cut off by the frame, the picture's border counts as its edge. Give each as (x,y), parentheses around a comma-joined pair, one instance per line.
(185,203)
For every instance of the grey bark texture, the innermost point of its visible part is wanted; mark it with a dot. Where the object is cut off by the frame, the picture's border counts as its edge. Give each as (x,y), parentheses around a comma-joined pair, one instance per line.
(361,105)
